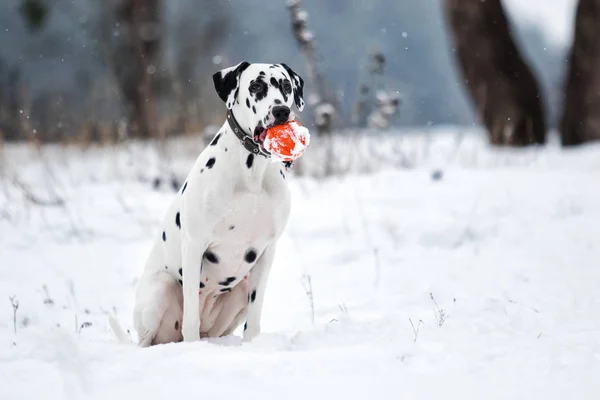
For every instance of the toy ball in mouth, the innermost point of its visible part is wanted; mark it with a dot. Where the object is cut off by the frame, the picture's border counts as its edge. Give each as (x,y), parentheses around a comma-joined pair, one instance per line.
(286,142)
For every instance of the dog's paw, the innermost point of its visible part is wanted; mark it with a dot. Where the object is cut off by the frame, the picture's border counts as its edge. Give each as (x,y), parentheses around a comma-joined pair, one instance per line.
(250,334)
(247,338)
(191,333)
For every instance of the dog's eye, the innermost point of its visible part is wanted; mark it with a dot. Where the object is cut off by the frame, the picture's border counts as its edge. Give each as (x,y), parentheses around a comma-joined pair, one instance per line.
(287,86)
(255,87)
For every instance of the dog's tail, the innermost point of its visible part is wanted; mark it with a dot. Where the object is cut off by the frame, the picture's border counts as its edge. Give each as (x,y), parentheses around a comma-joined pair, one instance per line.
(119,332)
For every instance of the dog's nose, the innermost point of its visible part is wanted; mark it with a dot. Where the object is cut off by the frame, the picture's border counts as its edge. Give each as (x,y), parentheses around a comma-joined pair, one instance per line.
(281,114)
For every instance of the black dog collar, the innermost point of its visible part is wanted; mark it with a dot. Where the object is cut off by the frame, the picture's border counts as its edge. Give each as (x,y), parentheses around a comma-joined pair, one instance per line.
(246,140)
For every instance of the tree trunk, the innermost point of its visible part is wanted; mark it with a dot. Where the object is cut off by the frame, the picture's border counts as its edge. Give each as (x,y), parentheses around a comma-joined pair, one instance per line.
(505,92)
(581,111)
(14,107)
(135,60)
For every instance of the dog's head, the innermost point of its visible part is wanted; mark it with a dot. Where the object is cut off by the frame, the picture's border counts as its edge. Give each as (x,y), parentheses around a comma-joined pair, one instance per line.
(260,96)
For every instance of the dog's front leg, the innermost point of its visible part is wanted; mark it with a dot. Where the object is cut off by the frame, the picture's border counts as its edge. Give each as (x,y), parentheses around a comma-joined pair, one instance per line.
(194,242)
(256,292)
(191,259)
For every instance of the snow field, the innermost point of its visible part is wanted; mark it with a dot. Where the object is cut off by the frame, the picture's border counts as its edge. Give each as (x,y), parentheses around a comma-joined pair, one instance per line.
(468,273)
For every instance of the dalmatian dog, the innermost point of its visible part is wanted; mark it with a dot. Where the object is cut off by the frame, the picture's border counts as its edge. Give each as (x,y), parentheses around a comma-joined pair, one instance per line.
(208,267)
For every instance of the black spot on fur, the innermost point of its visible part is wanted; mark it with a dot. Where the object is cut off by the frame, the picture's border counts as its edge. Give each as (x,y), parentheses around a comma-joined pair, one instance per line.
(272,66)
(277,101)
(228,281)
(201,170)
(176,325)
(274,83)
(215,140)
(181,271)
(262,73)
(250,256)
(253,296)
(164,236)
(201,285)
(224,84)
(231,227)
(184,187)
(246,325)
(211,162)
(180,282)
(225,290)
(212,257)
(282,174)
(177,220)
(248,102)
(254,109)
(166,267)
(250,160)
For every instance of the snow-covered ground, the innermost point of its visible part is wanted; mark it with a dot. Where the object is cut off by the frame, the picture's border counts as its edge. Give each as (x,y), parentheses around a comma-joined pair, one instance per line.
(460,272)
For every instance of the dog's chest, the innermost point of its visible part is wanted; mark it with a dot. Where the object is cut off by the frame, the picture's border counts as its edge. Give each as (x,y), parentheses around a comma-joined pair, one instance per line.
(251,223)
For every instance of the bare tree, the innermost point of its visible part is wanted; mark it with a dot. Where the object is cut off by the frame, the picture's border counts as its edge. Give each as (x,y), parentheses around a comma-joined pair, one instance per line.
(322,102)
(135,60)
(195,49)
(13,110)
(376,105)
(505,92)
(35,13)
(581,113)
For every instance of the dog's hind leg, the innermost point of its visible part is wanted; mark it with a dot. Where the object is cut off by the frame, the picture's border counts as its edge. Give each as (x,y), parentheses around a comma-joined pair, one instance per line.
(236,321)
(158,310)
(170,325)
(234,304)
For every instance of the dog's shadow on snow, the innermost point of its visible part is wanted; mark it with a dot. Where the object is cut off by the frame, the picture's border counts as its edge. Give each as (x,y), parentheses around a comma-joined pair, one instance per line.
(265,341)
(227,341)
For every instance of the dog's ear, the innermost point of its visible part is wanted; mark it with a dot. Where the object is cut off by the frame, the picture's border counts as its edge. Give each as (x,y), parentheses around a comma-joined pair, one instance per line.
(297,85)
(227,80)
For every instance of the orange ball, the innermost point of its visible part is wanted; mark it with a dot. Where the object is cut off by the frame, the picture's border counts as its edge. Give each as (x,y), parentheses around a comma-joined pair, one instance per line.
(287,141)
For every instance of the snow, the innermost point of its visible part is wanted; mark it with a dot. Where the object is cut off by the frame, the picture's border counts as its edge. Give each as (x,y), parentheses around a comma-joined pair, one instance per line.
(494,261)
(555,18)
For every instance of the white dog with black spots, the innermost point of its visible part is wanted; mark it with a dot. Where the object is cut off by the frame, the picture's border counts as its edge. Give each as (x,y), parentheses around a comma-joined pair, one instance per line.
(208,268)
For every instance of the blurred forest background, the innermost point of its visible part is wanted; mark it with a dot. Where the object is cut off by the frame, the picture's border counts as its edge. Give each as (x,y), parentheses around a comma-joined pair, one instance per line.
(104,70)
